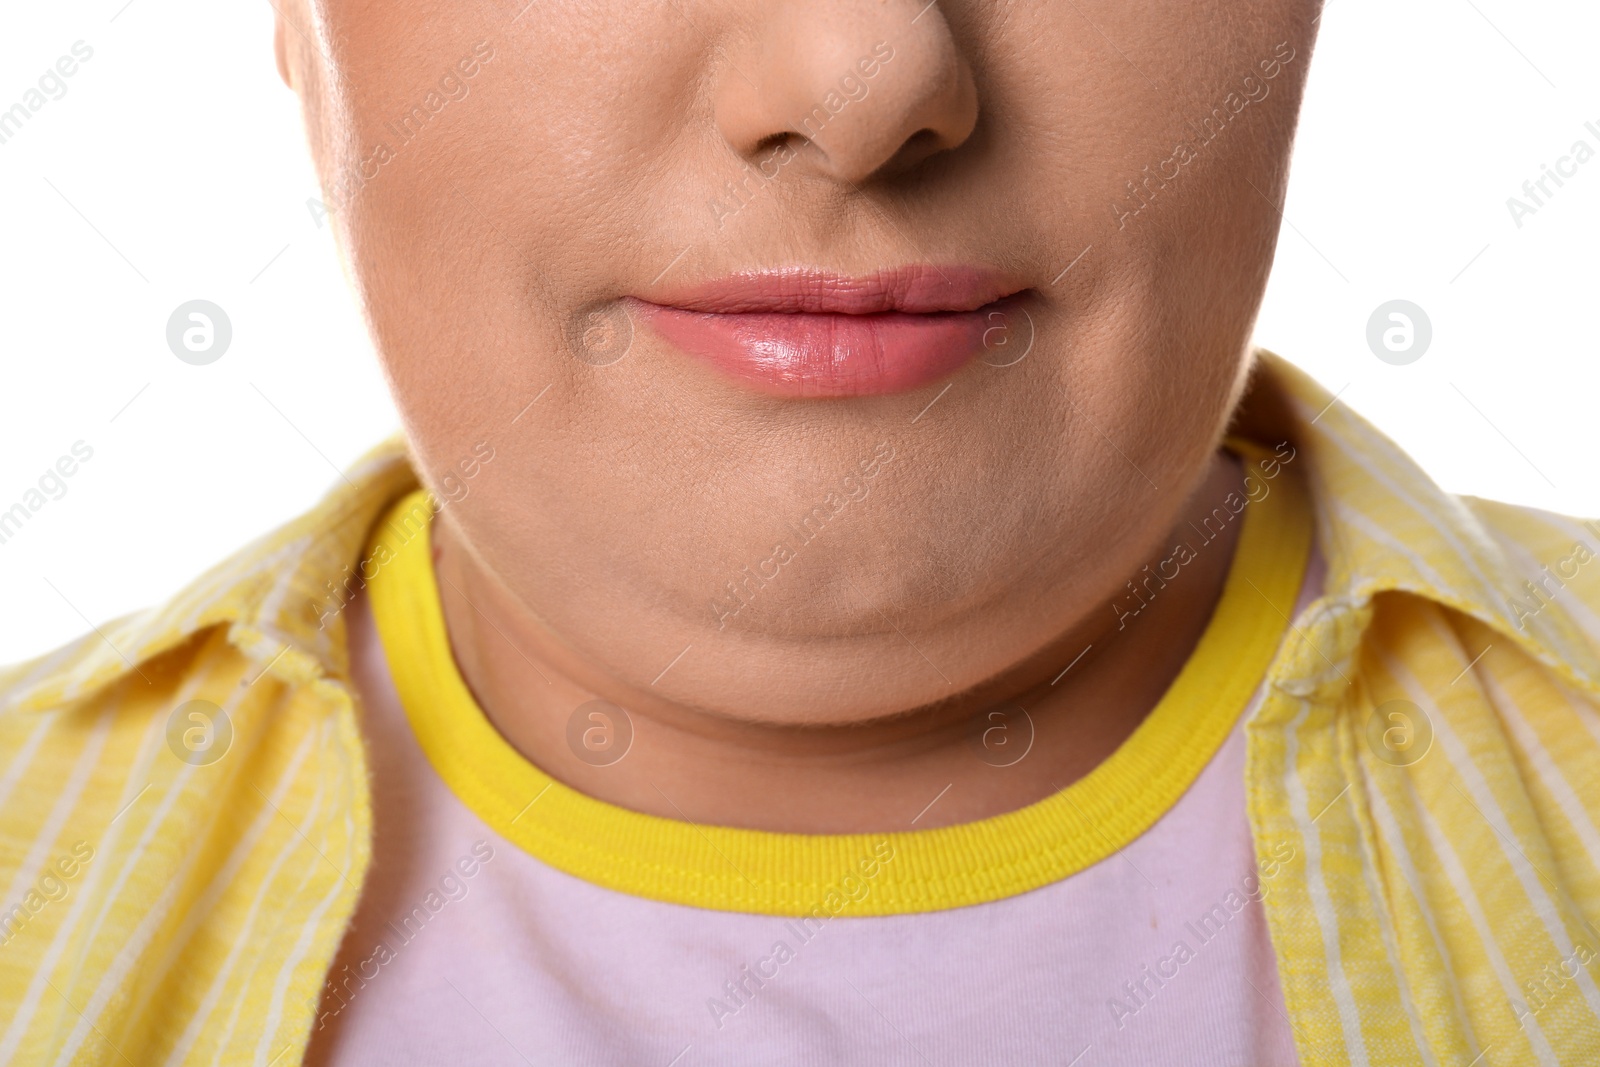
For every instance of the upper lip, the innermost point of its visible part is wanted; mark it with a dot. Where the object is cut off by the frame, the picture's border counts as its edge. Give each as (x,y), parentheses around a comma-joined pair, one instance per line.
(917,288)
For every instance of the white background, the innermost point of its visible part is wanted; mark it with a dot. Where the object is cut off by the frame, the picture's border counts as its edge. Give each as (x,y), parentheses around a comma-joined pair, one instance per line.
(175,168)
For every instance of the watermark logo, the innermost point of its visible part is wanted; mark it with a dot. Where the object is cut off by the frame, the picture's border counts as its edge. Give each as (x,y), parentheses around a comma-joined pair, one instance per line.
(51,86)
(1140,991)
(199,732)
(1144,587)
(1399,332)
(199,332)
(52,485)
(1566,167)
(1399,733)
(1003,735)
(600,335)
(1007,337)
(853,488)
(599,733)
(1252,88)
(1553,981)
(851,88)
(451,486)
(53,885)
(402,928)
(1537,593)
(406,128)
(850,889)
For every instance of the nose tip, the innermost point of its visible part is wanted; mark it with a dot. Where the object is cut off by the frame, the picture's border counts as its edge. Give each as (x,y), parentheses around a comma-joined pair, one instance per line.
(871,88)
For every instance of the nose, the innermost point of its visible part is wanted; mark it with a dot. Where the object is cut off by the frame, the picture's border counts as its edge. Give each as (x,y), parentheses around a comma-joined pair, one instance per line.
(872,86)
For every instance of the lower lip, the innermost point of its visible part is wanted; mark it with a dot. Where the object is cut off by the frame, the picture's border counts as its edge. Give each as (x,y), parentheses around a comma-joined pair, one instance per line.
(820,355)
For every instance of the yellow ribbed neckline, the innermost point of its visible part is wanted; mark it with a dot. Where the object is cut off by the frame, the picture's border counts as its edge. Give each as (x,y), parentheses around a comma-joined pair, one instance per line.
(734,869)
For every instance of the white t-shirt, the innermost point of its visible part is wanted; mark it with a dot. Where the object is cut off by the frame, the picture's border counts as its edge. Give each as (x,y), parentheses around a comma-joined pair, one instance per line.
(466,949)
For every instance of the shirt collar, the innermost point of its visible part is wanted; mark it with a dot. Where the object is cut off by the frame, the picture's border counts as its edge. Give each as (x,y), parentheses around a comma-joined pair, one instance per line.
(279,598)
(1382,526)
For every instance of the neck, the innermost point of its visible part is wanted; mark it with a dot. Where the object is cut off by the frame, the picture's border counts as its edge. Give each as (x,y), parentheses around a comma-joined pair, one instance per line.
(1025,734)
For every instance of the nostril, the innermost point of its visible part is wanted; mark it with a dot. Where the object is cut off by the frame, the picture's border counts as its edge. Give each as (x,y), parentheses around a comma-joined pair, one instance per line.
(774,141)
(916,148)
(820,90)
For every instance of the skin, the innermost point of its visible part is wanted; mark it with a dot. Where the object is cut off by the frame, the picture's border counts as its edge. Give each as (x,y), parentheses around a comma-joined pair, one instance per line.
(581,166)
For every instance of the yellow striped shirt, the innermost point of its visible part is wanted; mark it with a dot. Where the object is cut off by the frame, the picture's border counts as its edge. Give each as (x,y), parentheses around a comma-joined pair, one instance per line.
(1427,752)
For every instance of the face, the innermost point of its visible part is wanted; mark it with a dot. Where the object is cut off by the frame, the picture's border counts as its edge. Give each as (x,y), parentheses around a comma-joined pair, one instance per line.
(862,348)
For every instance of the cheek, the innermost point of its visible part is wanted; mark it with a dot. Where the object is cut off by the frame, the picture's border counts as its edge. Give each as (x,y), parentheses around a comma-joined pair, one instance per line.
(529,220)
